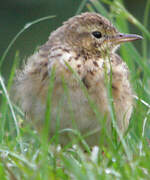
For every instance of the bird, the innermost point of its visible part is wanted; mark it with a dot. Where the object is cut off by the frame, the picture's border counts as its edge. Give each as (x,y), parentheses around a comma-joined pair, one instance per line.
(82,54)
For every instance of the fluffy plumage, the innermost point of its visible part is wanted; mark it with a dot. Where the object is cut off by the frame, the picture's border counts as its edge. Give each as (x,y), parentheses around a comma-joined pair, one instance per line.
(91,58)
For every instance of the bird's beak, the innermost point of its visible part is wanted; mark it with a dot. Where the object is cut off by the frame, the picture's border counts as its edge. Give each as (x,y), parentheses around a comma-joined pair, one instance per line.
(120,38)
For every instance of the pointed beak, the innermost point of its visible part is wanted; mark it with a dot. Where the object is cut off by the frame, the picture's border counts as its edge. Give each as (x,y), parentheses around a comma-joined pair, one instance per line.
(120,38)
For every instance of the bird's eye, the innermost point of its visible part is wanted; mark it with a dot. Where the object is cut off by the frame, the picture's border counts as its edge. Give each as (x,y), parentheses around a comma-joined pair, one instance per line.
(97,34)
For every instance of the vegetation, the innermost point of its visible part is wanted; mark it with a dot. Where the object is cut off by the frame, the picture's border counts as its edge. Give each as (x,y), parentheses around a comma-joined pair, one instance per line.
(25,154)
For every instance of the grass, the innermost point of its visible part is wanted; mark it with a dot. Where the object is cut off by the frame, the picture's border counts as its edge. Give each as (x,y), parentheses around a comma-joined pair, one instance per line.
(24,154)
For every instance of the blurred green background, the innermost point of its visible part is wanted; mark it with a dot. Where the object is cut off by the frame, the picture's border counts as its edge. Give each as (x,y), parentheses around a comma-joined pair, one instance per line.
(15,14)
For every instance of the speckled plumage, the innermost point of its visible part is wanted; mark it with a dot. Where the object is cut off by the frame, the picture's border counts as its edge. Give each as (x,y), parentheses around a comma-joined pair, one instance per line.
(73,43)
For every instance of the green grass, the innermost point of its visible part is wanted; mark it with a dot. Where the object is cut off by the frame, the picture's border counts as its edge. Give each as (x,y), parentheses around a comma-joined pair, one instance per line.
(25,154)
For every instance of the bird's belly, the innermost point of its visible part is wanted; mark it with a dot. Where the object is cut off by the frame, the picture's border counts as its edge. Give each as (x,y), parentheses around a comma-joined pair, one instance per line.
(73,110)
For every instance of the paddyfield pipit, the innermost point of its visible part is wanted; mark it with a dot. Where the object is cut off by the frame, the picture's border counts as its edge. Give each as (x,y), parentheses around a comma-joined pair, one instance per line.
(86,44)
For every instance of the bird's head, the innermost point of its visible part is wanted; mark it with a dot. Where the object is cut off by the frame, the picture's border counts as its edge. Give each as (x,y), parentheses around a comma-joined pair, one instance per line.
(92,33)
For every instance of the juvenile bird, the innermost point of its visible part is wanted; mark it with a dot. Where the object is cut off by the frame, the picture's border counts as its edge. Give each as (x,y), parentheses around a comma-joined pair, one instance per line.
(86,44)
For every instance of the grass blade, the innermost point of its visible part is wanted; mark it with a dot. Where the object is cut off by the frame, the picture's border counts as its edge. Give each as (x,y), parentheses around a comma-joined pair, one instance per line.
(12,112)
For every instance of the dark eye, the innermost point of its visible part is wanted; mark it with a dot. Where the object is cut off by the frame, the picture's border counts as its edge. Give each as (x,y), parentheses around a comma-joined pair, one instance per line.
(97,34)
